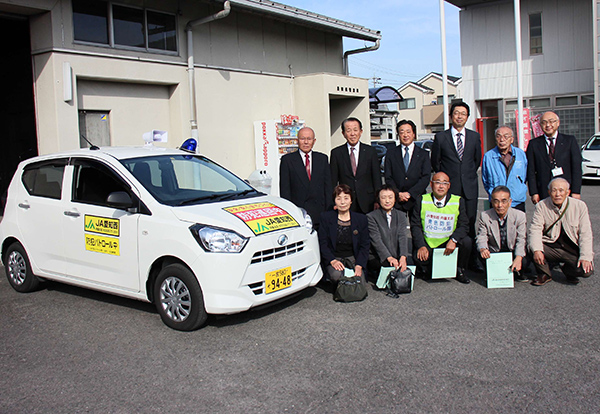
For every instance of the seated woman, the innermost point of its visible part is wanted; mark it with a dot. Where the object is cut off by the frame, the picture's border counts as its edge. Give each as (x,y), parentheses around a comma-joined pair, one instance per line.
(388,233)
(343,237)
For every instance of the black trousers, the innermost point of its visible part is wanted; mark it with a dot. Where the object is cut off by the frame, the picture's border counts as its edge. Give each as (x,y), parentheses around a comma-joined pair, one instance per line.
(559,255)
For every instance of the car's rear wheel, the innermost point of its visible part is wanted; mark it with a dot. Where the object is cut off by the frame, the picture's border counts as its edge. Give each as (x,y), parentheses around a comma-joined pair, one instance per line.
(178,298)
(18,269)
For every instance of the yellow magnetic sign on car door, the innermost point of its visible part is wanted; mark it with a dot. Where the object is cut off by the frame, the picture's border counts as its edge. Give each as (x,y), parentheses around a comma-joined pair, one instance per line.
(102,225)
(263,217)
(102,244)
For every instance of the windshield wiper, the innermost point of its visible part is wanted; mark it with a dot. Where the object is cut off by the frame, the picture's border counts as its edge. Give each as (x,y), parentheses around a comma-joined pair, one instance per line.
(241,193)
(197,199)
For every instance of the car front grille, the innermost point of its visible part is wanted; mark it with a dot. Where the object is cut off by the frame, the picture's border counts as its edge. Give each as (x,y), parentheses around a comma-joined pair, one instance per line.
(259,287)
(276,253)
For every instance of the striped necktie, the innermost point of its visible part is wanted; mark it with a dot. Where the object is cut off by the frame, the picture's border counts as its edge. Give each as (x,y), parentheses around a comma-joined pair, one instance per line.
(459,146)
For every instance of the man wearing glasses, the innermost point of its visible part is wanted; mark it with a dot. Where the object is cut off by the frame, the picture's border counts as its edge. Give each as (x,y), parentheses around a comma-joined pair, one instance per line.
(550,156)
(506,165)
(439,220)
(503,229)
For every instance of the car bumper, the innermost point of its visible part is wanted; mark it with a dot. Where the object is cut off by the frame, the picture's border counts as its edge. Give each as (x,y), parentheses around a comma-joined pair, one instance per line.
(590,171)
(236,282)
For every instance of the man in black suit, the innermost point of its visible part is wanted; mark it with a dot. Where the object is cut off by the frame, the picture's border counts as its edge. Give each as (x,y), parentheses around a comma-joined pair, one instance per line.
(407,167)
(550,156)
(305,178)
(356,165)
(457,152)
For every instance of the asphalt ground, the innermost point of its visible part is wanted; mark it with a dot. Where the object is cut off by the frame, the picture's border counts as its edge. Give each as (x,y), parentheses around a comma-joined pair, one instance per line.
(444,348)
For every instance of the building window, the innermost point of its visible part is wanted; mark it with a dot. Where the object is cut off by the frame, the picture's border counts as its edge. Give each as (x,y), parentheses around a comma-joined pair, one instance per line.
(512,105)
(440,99)
(539,103)
(566,101)
(407,104)
(131,27)
(535,34)
(587,99)
(90,21)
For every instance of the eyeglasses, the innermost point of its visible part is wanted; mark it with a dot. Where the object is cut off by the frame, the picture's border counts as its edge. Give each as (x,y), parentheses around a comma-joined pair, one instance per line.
(441,182)
(558,190)
(305,139)
(549,121)
(495,202)
(460,113)
(505,136)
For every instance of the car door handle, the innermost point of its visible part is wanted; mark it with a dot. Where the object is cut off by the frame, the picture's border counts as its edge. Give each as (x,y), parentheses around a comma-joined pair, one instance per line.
(72,213)
(24,205)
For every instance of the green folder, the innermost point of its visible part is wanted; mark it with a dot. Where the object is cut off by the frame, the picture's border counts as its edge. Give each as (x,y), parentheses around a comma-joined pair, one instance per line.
(444,267)
(499,274)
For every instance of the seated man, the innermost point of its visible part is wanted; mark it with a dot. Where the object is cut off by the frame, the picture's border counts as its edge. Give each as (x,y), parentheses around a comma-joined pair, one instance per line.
(561,232)
(388,233)
(428,236)
(503,229)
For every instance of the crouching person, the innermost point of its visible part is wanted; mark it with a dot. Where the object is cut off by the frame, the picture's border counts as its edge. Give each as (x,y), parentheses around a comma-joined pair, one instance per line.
(343,238)
(428,232)
(504,229)
(561,232)
(387,231)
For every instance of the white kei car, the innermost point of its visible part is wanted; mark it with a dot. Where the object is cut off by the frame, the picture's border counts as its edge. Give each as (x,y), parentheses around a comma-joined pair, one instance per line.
(160,225)
(590,153)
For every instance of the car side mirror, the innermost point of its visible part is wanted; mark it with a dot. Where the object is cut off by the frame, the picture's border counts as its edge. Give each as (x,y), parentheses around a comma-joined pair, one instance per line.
(119,199)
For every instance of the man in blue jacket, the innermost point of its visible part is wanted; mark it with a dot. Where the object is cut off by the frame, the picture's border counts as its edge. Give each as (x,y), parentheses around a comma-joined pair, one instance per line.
(506,165)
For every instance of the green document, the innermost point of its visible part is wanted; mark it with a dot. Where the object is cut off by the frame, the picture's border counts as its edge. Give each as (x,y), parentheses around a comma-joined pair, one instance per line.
(348,272)
(499,274)
(383,280)
(444,267)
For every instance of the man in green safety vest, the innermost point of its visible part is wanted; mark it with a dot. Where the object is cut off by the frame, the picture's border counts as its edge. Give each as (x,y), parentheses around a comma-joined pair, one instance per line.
(439,220)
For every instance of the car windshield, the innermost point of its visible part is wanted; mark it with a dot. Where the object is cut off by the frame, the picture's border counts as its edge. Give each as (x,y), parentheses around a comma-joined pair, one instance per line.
(593,144)
(178,180)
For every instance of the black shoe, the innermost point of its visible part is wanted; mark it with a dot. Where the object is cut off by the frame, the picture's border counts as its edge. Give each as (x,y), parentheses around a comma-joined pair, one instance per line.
(422,274)
(520,277)
(572,280)
(461,277)
(476,267)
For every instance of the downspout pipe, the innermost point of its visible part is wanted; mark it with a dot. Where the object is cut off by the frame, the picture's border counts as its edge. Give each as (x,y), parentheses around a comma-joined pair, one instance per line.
(352,52)
(190,58)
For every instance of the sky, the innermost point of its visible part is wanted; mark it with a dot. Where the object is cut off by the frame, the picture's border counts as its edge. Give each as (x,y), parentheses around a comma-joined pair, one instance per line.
(410,44)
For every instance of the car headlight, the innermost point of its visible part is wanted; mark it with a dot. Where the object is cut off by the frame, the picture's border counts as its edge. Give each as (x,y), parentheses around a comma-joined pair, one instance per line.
(308,223)
(216,240)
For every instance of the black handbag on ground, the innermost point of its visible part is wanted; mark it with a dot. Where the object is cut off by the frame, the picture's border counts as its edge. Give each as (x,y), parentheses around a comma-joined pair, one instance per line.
(400,282)
(349,289)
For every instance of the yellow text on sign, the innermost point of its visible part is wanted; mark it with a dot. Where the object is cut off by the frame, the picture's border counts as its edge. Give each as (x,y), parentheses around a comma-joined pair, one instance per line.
(102,225)
(101,244)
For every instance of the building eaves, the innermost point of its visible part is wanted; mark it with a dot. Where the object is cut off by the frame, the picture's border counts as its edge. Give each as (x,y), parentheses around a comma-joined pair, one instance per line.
(415,85)
(451,79)
(307,18)
(463,4)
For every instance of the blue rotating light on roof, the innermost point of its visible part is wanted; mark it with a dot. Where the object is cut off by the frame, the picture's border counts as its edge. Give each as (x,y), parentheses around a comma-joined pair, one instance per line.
(189,144)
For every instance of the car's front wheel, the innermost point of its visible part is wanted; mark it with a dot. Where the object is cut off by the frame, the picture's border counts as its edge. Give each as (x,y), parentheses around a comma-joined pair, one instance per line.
(18,269)
(178,298)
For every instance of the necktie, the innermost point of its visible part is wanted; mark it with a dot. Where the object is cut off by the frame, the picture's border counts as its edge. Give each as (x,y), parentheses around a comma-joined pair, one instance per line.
(307,166)
(406,159)
(459,146)
(353,160)
(551,148)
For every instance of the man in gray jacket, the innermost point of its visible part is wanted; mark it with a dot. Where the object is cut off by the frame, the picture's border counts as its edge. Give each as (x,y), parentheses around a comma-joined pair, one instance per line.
(503,229)
(561,232)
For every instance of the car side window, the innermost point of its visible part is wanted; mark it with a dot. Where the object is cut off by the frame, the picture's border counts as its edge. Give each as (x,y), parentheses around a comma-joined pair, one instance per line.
(44,179)
(94,181)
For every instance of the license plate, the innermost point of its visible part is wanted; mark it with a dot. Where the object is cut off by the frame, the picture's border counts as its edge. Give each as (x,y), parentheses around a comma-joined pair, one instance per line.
(278,279)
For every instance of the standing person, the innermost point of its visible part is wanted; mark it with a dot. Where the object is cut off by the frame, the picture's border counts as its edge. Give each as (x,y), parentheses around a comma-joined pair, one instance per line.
(407,167)
(457,152)
(506,165)
(561,232)
(504,229)
(550,156)
(387,231)
(356,165)
(343,238)
(428,233)
(305,177)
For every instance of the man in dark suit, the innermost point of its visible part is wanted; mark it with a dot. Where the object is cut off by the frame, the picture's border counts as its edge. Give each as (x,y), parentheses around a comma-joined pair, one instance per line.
(356,165)
(550,156)
(407,167)
(457,152)
(305,178)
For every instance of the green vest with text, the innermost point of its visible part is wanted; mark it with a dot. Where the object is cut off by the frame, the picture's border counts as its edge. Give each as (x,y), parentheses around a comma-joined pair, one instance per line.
(439,222)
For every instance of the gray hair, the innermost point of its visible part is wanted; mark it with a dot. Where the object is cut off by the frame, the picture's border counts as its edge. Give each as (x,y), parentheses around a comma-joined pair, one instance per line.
(503,126)
(559,180)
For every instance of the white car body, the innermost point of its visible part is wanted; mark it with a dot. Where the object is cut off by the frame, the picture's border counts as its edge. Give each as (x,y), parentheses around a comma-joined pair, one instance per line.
(590,153)
(56,236)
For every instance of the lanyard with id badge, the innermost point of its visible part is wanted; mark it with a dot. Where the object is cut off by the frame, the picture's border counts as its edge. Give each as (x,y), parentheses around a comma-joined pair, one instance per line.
(556,171)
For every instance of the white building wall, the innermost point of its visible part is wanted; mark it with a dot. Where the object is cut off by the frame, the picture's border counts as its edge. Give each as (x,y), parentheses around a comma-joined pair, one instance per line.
(488,50)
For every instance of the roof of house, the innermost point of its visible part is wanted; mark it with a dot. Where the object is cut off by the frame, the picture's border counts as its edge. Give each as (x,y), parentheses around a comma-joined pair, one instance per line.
(307,18)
